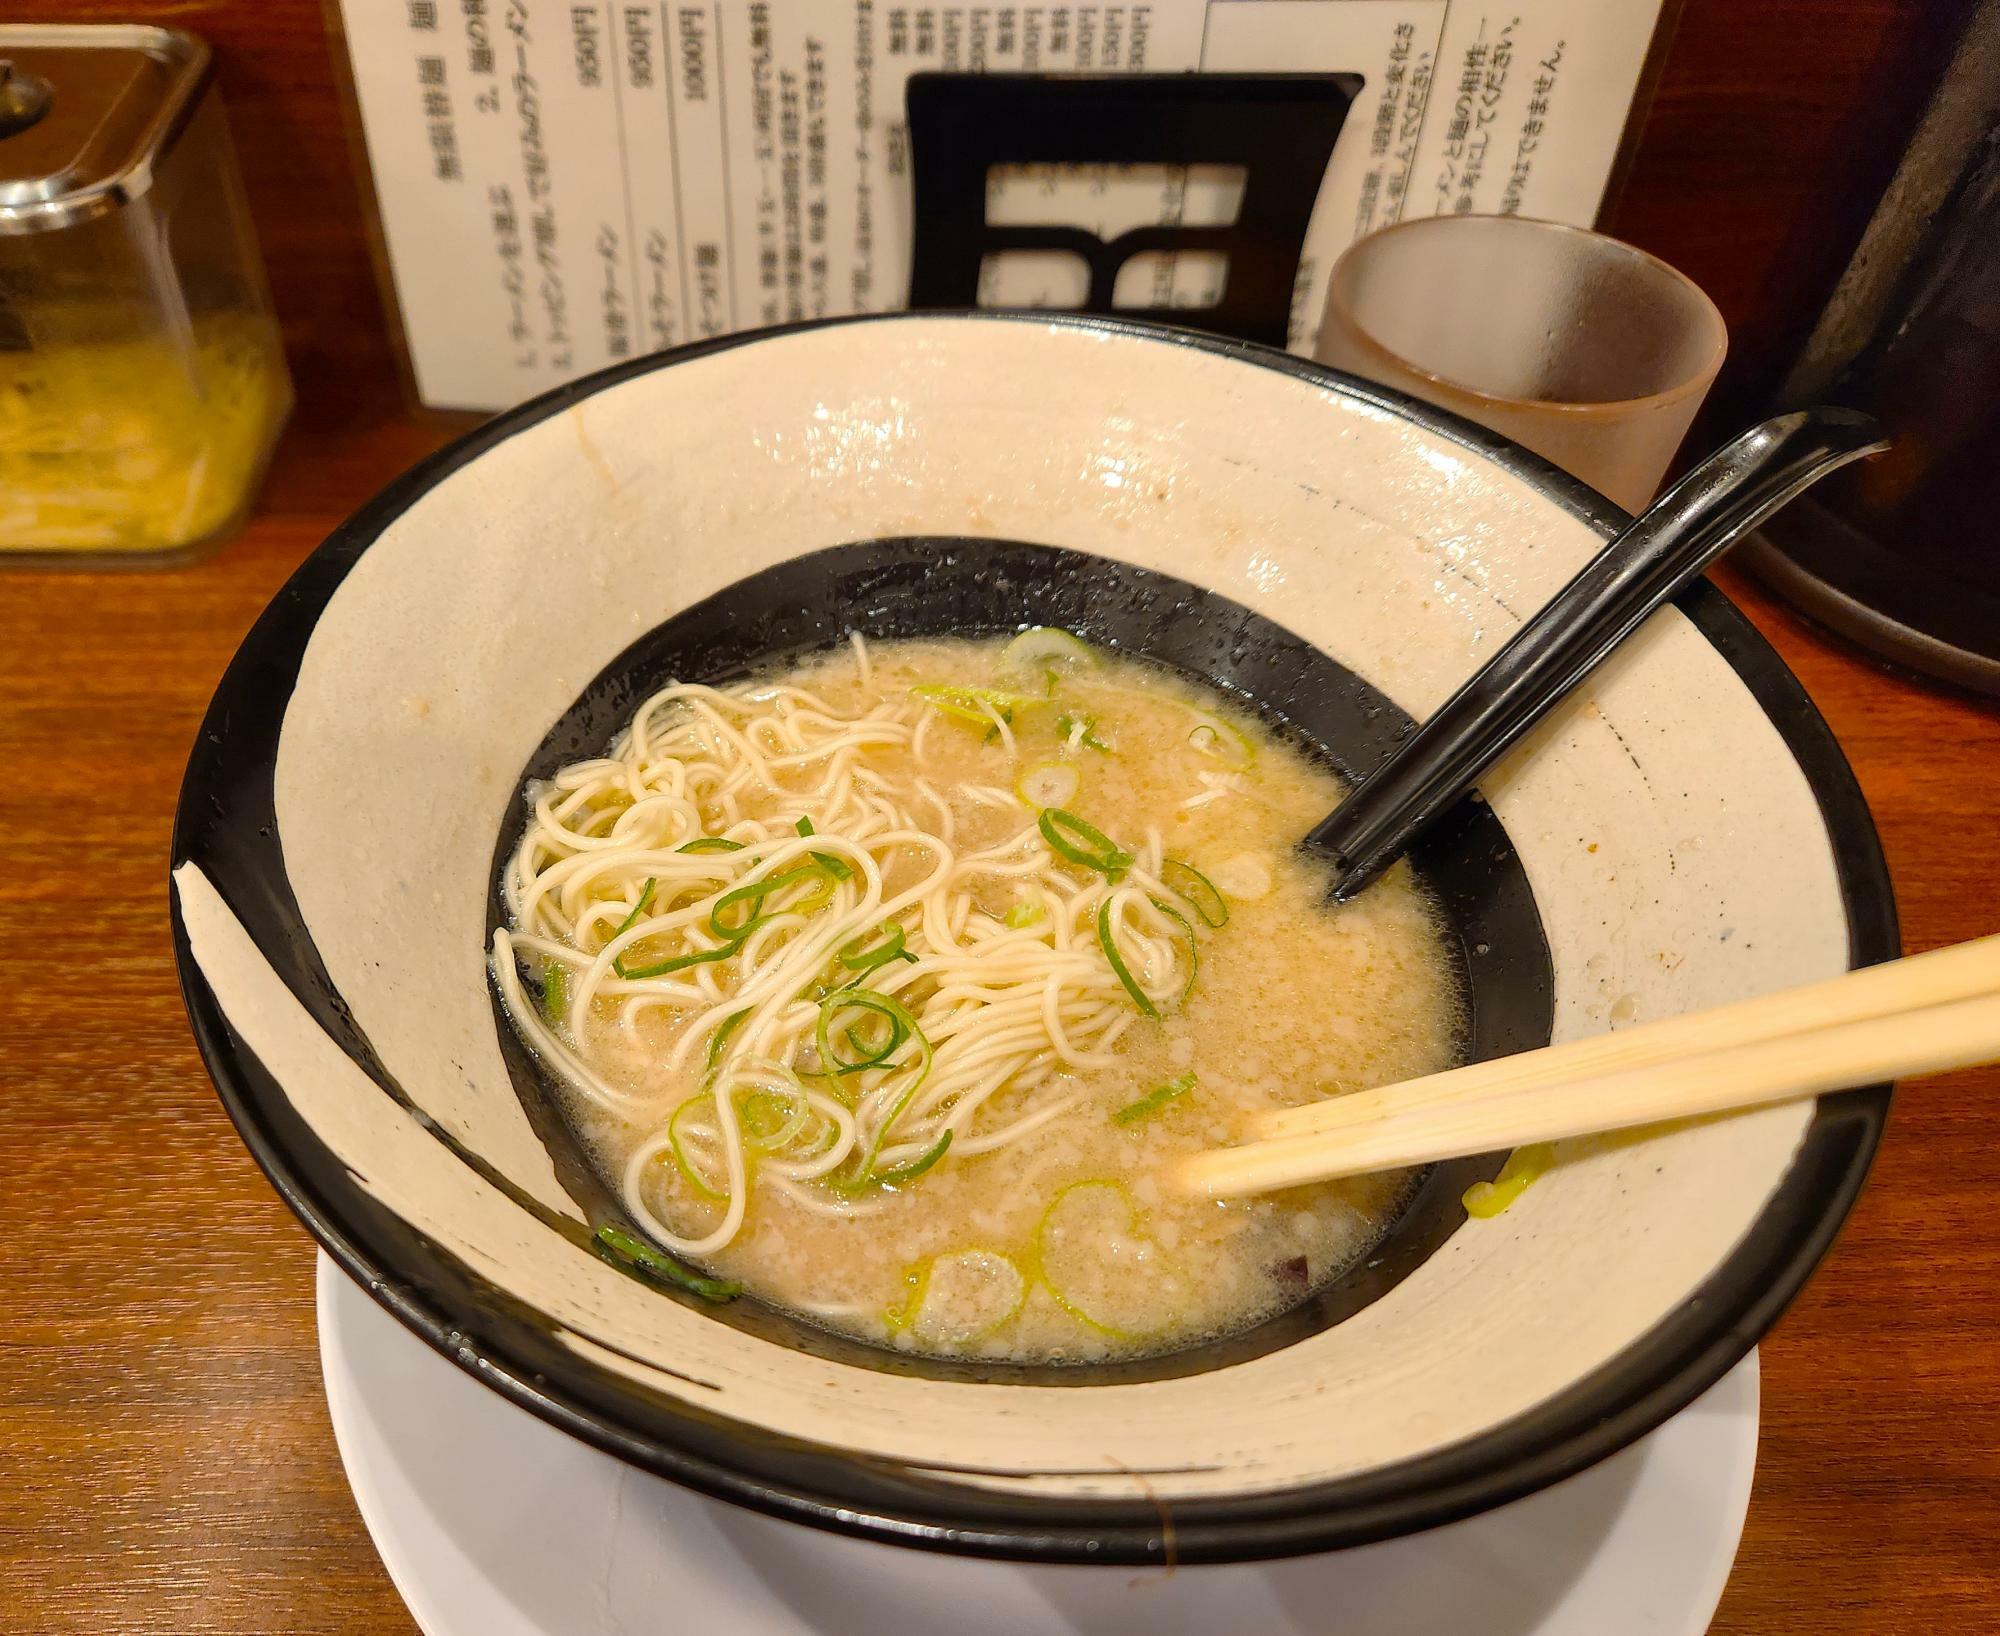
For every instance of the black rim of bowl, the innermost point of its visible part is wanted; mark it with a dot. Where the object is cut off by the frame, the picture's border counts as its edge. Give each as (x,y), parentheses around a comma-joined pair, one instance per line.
(512,1349)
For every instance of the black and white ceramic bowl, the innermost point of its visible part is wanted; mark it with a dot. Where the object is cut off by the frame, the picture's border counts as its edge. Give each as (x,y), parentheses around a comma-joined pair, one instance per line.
(1687,835)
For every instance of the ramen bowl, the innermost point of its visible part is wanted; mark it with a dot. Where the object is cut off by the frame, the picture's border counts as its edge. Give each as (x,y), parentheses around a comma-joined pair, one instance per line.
(1338,558)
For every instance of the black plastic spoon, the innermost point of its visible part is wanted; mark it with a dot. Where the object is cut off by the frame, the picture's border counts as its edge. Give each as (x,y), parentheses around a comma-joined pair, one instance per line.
(1672,541)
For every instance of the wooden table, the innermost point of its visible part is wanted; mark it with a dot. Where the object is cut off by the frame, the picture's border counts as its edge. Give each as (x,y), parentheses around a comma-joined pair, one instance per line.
(165,1459)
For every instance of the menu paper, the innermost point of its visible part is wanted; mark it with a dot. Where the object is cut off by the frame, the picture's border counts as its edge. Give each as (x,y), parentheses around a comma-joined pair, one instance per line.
(564,185)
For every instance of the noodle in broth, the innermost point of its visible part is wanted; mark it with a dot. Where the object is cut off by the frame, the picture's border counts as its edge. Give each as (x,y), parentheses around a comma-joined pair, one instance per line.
(889,985)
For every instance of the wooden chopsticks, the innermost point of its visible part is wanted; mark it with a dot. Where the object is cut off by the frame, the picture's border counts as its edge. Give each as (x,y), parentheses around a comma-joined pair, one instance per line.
(1924,1014)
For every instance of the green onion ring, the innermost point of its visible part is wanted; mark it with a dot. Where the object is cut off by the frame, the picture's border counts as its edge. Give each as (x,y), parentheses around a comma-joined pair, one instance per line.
(618,963)
(720,1037)
(838,867)
(680,1158)
(902,1027)
(1194,954)
(754,894)
(1066,724)
(972,703)
(797,1114)
(631,1254)
(1186,881)
(638,909)
(861,961)
(1154,1100)
(1042,1256)
(818,898)
(1046,644)
(1058,825)
(1118,966)
(680,962)
(903,1174)
(1224,741)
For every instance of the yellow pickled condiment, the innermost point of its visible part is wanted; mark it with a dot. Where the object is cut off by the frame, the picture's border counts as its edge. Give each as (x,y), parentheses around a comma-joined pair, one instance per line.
(1485,1200)
(135,443)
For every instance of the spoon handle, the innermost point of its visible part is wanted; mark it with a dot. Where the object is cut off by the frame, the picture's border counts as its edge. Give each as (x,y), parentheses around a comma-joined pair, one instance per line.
(1672,541)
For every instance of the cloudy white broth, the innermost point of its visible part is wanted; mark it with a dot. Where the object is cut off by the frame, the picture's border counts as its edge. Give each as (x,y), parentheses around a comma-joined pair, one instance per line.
(887,988)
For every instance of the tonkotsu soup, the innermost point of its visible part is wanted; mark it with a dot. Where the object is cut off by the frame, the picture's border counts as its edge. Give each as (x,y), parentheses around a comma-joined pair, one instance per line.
(887,987)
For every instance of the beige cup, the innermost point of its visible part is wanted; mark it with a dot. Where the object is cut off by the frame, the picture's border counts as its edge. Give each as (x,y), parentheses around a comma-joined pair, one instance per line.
(1585,350)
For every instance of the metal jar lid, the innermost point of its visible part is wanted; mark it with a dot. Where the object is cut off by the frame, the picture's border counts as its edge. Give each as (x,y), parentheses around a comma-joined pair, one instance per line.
(86,115)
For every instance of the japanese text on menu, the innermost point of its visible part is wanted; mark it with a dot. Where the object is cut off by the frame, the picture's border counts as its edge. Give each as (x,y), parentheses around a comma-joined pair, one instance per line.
(563,185)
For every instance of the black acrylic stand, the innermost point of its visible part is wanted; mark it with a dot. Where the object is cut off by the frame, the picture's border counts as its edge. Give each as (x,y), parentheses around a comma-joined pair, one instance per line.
(1278,128)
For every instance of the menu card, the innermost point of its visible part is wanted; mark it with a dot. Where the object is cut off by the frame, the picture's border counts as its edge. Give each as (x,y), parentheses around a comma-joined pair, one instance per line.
(564,185)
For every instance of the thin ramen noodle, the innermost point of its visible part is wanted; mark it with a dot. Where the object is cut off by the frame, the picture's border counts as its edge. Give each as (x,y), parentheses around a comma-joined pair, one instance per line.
(888,986)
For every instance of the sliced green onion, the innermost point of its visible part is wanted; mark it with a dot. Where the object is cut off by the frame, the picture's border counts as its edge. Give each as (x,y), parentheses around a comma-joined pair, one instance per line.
(719,1040)
(766,1136)
(902,1175)
(987,1283)
(618,963)
(916,1278)
(818,898)
(1070,837)
(1044,645)
(711,843)
(902,1026)
(1024,913)
(1213,736)
(969,703)
(682,1163)
(861,960)
(754,894)
(621,1249)
(838,867)
(1048,784)
(1064,1244)
(1066,725)
(733,937)
(638,909)
(680,962)
(1190,883)
(555,990)
(1154,1100)
(1118,966)
(1194,953)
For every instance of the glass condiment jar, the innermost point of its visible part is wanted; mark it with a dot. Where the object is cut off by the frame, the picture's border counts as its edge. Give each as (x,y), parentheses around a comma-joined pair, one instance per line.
(142,383)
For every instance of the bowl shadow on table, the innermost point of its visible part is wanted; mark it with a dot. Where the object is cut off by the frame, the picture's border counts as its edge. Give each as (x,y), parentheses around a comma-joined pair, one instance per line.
(1514,1566)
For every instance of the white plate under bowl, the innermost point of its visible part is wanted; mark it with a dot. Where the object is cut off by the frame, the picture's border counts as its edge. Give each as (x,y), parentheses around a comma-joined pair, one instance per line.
(492,1523)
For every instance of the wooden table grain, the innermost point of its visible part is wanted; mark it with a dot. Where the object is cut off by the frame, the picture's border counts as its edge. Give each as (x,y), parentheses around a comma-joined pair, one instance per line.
(166,1465)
